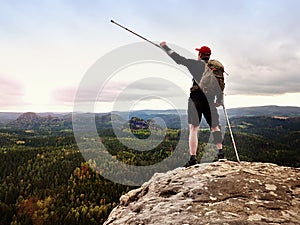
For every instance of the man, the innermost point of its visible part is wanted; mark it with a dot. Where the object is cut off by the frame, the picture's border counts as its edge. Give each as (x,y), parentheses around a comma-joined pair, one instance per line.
(199,103)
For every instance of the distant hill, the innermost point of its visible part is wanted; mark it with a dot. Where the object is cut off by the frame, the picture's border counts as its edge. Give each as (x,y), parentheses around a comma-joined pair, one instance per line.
(104,121)
(6,117)
(171,118)
(271,110)
(33,121)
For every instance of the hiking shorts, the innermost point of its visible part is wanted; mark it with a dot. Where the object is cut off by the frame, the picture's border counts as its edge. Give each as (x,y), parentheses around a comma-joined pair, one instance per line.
(198,107)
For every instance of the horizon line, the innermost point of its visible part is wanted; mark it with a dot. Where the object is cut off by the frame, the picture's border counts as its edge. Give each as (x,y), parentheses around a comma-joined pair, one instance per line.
(287,106)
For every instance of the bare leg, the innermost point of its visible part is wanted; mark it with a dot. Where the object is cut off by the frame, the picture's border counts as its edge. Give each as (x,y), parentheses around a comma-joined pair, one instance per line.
(218,144)
(193,139)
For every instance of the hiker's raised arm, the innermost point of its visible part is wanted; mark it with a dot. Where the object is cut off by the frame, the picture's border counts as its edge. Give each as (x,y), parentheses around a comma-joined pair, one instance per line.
(175,56)
(196,67)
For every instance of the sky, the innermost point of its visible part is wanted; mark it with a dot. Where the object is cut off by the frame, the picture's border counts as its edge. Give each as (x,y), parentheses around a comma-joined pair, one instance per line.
(48,46)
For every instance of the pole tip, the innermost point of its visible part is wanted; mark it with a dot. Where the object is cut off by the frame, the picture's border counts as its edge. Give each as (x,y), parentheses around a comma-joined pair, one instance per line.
(112,21)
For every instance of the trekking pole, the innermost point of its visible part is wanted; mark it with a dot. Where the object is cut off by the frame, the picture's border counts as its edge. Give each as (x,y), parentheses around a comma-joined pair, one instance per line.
(231,135)
(135,33)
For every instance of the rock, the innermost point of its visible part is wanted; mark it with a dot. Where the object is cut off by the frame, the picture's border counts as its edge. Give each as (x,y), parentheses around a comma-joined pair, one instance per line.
(215,193)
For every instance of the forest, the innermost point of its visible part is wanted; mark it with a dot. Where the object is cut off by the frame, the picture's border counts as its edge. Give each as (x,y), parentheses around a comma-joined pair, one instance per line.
(44,178)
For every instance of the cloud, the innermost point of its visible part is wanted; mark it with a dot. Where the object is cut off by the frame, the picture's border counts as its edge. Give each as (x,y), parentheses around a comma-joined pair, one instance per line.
(258,47)
(257,41)
(267,69)
(118,91)
(152,88)
(11,92)
(64,95)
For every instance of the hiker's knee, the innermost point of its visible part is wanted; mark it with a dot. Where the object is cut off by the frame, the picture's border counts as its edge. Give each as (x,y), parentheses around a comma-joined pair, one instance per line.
(217,135)
(216,128)
(193,128)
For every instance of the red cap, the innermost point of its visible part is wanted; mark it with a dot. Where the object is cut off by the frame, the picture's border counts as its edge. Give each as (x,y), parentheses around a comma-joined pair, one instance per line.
(204,49)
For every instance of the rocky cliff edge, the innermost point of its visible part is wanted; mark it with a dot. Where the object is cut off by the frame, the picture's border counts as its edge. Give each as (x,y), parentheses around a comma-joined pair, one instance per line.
(215,193)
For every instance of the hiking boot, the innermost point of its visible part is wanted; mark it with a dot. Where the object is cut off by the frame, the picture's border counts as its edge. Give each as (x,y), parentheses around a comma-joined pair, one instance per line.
(221,155)
(191,162)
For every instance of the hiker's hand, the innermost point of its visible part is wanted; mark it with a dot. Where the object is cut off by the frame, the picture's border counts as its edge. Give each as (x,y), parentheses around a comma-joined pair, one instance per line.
(163,43)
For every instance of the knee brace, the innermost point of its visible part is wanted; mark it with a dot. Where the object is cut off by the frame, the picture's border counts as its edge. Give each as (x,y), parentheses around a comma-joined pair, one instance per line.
(217,135)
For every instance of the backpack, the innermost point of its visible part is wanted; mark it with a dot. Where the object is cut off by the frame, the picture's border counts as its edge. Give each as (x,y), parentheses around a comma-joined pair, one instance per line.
(212,81)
